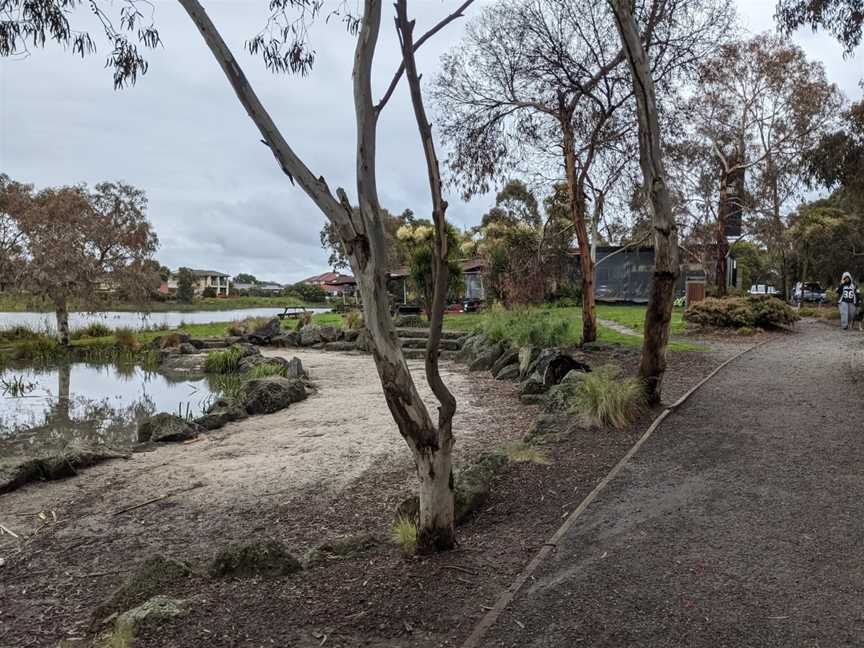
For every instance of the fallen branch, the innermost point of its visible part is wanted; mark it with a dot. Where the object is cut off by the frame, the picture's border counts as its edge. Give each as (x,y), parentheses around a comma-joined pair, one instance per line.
(4,529)
(158,499)
(461,569)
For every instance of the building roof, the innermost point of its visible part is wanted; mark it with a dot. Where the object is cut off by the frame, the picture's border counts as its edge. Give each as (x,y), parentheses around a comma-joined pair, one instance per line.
(327,277)
(208,273)
(342,280)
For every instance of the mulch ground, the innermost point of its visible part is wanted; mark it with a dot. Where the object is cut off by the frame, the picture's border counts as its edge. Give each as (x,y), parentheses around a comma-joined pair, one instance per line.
(49,588)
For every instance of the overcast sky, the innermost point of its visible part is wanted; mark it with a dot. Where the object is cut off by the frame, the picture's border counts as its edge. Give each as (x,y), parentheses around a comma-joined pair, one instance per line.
(217,198)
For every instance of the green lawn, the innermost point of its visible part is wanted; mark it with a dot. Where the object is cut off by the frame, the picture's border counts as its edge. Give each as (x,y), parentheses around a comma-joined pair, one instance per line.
(634,316)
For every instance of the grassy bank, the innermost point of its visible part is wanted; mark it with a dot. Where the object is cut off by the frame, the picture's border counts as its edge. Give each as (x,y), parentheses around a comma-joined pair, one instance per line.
(22,303)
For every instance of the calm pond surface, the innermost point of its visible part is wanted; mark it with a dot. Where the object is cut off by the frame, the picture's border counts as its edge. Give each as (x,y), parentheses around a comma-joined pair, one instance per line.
(115,319)
(89,405)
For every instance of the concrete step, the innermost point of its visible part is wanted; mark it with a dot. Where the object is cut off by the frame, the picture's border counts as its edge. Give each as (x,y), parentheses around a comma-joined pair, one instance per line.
(420,354)
(418,333)
(420,343)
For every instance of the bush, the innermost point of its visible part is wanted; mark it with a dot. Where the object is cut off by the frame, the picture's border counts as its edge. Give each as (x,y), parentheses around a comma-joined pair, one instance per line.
(223,362)
(353,320)
(524,327)
(753,311)
(95,330)
(309,293)
(209,292)
(127,339)
(605,397)
(405,535)
(410,321)
(831,296)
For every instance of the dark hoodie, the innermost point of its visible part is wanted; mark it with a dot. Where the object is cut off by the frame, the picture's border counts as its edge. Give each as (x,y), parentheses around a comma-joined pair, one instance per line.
(848,292)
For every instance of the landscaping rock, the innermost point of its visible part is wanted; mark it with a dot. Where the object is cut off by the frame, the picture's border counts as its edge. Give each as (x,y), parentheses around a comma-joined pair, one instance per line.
(533,385)
(154,576)
(486,358)
(329,333)
(296,370)
(561,365)
(471,348)
(340,346)
(190,363)
(527,358)
(288,339)
(187,348)
(246,349)
(268,395)
(267,331)
(309,336)
(509,372)
(166,428)
(220,416)
(15,472)
(250,362)
(350,335)
(510,356)
(268,559)
(154,610)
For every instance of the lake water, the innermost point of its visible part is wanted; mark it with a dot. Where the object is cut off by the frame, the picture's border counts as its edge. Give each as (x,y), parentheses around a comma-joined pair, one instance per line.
(89,405)
(116,319)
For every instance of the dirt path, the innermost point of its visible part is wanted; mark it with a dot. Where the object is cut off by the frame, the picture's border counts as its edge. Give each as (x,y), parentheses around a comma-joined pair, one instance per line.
(738,524)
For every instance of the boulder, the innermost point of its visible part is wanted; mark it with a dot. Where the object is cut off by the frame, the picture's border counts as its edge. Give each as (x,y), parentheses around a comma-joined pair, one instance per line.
(340,346)
(533,385)
(189,363)
(344,547)
(246,349)
(510,372)
(296,370)
(310,335)
(268,395)
(363,341)
(154,576)
(218,417)
(287,339)
(509,357)
(166,428)
(152,611)
(267,331)
(329,333)
(186,348)
(350,335)
(471,347)
(487,357)
(527,358)
(250,362)
(560,366)
(268,559)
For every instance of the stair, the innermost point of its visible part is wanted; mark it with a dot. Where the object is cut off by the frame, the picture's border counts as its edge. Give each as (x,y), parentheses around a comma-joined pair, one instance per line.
(414,342)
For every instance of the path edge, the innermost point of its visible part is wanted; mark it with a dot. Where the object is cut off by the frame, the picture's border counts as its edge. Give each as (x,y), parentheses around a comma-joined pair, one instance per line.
(489,619)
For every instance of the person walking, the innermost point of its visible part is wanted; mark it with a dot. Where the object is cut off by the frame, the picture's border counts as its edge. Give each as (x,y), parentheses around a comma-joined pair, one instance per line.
(849,298)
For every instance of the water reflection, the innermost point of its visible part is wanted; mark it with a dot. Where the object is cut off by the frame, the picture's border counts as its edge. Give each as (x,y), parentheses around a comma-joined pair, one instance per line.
(91,405)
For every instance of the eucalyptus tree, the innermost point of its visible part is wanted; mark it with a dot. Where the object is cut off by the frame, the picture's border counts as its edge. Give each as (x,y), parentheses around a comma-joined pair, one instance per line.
(761,106)
(537,75)
(843,19)
(284,46)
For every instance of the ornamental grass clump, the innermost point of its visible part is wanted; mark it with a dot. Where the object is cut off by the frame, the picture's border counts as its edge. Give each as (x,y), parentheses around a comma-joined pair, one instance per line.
(404,534)
(605,397)
(223,362)
(529,327)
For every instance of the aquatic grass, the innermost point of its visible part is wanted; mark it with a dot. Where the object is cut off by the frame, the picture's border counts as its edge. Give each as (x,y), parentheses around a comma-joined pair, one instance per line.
(94,330)
(605,397)
(126,338)
(16,386)
(225,361)
(41,349)
(266,370)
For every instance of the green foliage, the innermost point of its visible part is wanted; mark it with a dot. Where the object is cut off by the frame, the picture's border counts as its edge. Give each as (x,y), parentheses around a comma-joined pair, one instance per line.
(245,278)
(519,452)
(410,321)
(209,292)
(745,330)
(530,327)
(266,370)
(94,330)
(404,534)
(40,349)
(605,397)
(224,361)
(763,311)
(310,293)
(831,296)
(185,286)
(126,338)
(419,242)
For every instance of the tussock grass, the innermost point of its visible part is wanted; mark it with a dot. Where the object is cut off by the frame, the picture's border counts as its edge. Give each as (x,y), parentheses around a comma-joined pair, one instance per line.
(94,330)
(126,338)
(531,327)
(246,326)
(353,320)
(223,362)
(605,397)
(40,349)
(520,452)
(266,370)
(404,534)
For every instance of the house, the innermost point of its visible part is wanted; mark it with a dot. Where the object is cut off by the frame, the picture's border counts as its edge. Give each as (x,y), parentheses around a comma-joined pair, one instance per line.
(335,284)
(268,287)
(203,279)
(624,274)
(473,285)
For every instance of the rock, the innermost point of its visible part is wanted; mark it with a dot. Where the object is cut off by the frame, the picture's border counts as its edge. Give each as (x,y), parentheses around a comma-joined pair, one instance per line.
(527,358)
(510,356)
(340,346)
(186,348)
(471,489)
(471,348)
(287,339)
(271,394)
(350,335)
(170,340)
(363,341)
(561,365)
(246,349)
(309,336)
(533,385)
(532,399)
(268,331)
(573,376)
(166,428)
(154,610)
(250,362)
(190,363)
(486,358)
(344,547)
(546,428)
(269,559)
(219,417)
(510,372)
(296,370)
(154,576)
(329,333)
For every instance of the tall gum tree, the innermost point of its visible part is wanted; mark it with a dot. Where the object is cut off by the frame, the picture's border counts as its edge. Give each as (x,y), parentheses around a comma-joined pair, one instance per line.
(548,75)
(284,47)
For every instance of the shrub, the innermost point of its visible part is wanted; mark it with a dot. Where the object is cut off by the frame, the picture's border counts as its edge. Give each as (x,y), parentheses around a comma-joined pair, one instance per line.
(405,535)
(523,327)
(209,292)
(169,340)
(831,296)
(353,320)
(735,312)
(309,293)
(745,330)
(223,362)
(94,330)
(605,397)
(127,339)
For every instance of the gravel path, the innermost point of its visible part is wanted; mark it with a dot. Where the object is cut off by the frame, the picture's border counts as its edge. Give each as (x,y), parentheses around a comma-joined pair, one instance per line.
(740,523)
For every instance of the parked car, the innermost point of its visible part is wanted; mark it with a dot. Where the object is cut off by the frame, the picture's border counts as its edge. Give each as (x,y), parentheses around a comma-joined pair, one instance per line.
(472,305)
(763,289)
(809,293)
